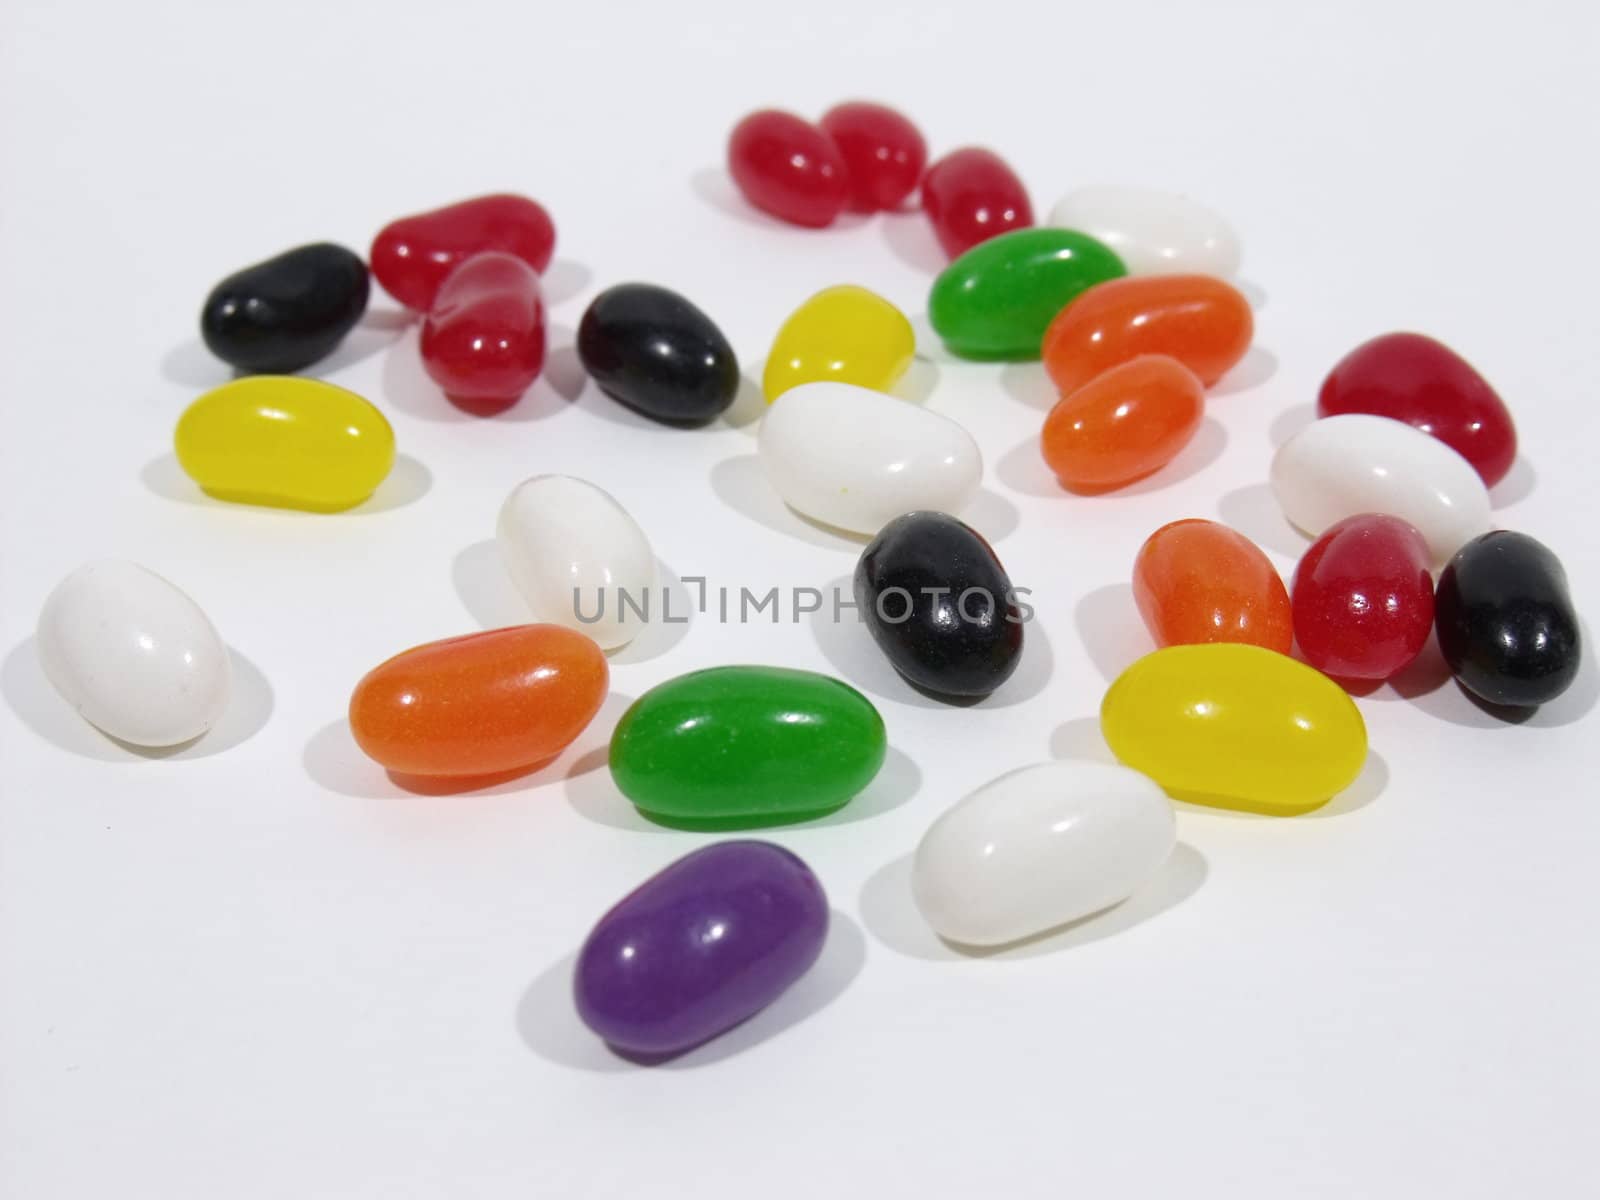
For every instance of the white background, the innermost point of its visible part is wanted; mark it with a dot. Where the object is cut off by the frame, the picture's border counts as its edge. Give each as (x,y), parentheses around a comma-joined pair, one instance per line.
(259,969)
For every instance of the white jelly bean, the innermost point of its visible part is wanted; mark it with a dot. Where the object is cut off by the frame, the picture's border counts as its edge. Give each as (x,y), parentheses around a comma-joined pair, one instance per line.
(577,557)
(856,459)
(1152,232)
(1340,466)
(133,654)
(1039,847)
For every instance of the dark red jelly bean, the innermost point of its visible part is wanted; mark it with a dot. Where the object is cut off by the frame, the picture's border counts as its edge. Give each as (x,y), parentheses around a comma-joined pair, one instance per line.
(483,342)
(1363,598)
(1426,384)
(412,257)
(883,153)
(788,167)
(970,196)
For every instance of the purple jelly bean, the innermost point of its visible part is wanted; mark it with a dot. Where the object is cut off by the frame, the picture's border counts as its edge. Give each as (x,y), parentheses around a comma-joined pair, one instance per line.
(694,950)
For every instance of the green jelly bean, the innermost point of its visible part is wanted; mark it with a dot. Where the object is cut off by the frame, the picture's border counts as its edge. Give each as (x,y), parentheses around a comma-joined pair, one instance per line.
(737,747)
(997,299)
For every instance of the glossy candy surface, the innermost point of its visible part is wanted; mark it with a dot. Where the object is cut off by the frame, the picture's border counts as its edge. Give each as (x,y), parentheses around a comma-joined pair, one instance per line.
(412,257)
(285,442)
(649,348)
(939,604)
(1235,726)
(883,153)
(1363,598)
(577,557)
(843,334)
(789,168)
(1153,232)
(1039,847)
(1197,581)
(997,299)
(288,312)
(134,655)
(1123,424)
(855,458)
(482,704)
(1506,622)
(1339,467)
(699,947)
(483,340)
(970,196)
(1426,384)
(1202,322)
(741,746)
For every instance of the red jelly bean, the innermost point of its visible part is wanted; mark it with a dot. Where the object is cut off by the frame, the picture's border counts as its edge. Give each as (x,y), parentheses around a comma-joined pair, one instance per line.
(483,341)
(412,257)
(1426,384)
(882,151)
(970,196)
(1363,599)
(788,167)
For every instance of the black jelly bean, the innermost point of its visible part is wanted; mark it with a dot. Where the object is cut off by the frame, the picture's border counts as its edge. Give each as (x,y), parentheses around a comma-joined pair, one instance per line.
(1506,622)
(288,312)
(657,353)
(940,605)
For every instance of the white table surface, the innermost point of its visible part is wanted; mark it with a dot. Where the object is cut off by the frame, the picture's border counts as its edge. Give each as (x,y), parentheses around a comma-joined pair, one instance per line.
(259,969)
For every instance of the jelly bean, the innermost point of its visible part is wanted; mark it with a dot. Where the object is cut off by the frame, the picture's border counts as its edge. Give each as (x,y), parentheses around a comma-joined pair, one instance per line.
(743,746)
(997,299)
(1424,383)
(970,196)
(789,168)
(854,458)
(133,655)
(1124,424)
(483,340)
(1202,322)
(286,442)
(1506,622)
(1341,466)
(1363,598)
(1198,581)
(939,604)
(652,350)
(1235,726)
(413,256)
(1039,847)
(883,153)
(481,704)
(700,947)
(577,557)
(287,312)
(845,334)
(1152,232)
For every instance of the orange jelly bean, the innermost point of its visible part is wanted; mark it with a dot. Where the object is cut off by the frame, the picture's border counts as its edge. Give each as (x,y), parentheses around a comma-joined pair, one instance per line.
(484,704)
(1124,424)
(1197,581)
(1197,319)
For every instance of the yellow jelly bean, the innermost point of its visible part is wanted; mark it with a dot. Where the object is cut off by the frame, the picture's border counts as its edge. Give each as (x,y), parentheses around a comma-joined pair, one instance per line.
(286,442)
(1235,726)
(845,334)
